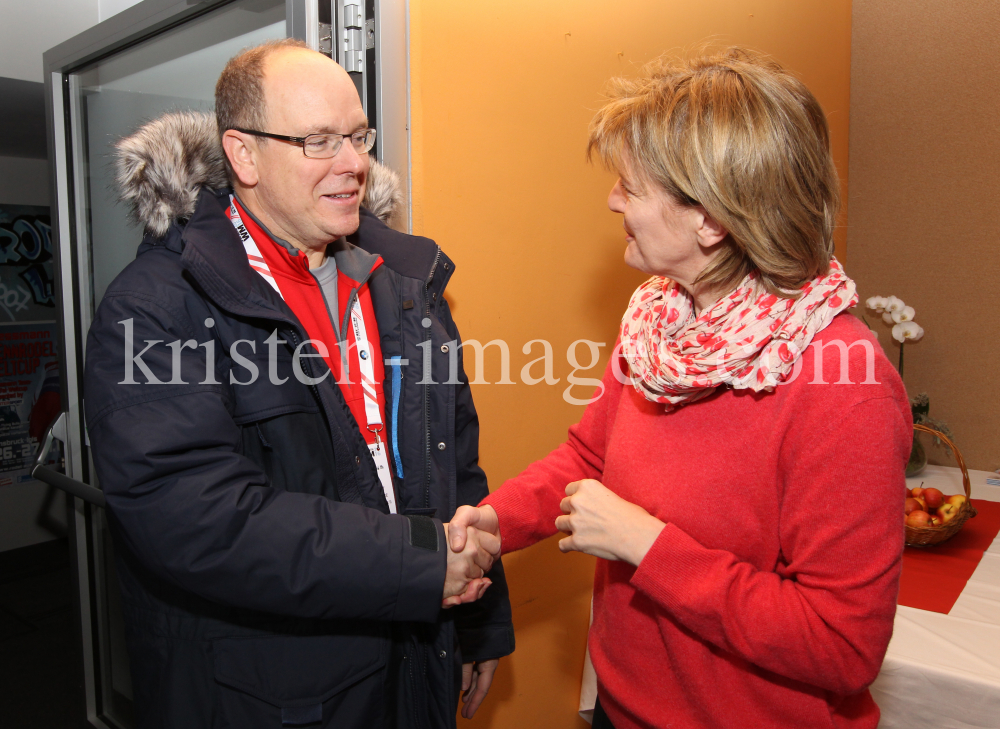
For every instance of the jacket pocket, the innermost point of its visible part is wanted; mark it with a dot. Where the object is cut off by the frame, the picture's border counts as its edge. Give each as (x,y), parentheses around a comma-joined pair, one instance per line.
(291,681)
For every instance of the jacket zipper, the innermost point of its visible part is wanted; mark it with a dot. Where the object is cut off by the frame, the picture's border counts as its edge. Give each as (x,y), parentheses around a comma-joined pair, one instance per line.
(314,388)
(319,399)
(427,391)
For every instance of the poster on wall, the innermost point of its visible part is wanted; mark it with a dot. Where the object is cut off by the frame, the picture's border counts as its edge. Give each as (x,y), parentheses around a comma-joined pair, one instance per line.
(29,361)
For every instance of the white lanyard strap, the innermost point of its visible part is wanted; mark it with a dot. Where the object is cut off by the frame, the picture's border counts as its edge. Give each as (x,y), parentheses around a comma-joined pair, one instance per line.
(367,369)
(372,414)
(257,262)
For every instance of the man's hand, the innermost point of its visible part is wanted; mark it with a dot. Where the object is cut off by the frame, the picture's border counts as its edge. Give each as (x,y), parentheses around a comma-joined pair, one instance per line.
(601,523)
(476,680)
(483,518)
(464,581)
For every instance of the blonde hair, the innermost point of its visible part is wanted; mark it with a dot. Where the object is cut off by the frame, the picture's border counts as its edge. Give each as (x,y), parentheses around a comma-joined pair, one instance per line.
(746,140)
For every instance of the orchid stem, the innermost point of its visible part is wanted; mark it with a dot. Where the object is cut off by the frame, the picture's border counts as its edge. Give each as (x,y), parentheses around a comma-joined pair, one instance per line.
(900,368)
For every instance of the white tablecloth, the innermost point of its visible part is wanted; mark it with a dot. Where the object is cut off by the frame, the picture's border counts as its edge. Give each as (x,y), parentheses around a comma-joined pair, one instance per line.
(941,671)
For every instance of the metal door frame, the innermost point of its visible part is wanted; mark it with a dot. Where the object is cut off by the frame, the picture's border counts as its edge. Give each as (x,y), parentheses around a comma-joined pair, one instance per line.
(72,257)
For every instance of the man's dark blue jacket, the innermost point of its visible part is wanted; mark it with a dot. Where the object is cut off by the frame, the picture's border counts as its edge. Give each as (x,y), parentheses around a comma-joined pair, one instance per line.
(264,581)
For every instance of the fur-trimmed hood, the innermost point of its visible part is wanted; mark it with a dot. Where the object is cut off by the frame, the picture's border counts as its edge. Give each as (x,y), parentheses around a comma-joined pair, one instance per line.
(161,168)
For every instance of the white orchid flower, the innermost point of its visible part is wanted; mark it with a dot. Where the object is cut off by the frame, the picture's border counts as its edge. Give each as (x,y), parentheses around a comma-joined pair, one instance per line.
(876,303)
(905,314)
(880,302)
(907,331)
(887,317)
(894,304)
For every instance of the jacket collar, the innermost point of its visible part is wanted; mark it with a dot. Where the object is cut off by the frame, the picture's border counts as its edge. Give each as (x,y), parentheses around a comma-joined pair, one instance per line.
(211,250)
(356,263)
(408,255)
(214,255)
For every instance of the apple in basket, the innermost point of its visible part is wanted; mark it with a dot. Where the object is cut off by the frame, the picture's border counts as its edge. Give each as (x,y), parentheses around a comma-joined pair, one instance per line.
(913,504)
(918,519)
(956,499)
(933,497)
(948,511)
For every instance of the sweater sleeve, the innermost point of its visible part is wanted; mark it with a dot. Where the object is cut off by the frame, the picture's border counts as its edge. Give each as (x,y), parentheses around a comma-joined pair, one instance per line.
(824,616)
(527,505)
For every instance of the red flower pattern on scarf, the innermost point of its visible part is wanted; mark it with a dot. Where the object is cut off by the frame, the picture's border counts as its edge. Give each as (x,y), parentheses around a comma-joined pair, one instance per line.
(748,339)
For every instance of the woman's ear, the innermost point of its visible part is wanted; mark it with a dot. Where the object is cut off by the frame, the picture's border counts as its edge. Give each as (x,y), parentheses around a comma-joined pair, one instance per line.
(243,159)
(710,231)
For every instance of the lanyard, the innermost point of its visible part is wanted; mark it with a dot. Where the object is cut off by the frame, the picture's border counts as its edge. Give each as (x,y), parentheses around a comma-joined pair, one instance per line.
(372,415)
(257,262)
(358,332)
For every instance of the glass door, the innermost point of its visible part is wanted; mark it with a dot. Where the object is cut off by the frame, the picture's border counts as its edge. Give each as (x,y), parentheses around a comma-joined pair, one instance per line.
(158,56)
(155,57)
(106,100)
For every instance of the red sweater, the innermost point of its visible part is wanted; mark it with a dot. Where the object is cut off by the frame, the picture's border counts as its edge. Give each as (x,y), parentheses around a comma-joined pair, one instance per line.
(768,598)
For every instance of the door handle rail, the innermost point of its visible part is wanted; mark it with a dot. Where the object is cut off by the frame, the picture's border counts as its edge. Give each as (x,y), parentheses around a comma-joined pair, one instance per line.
(90,494)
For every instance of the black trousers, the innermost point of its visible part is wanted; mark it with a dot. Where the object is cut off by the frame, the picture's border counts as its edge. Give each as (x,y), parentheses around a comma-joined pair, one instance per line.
(601,720)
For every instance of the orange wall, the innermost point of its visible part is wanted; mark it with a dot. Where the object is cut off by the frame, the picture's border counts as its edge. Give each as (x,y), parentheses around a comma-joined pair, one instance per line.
(501,96)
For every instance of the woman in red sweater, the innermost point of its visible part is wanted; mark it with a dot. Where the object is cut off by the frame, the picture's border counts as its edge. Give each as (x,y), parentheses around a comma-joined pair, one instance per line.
(740,474)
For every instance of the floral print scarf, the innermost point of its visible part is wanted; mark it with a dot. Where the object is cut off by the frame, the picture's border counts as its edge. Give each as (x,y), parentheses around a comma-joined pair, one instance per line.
(749,339)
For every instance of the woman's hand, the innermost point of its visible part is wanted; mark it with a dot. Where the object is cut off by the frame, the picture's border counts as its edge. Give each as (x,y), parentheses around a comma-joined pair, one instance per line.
(483,518)
(601,523)
(476,680)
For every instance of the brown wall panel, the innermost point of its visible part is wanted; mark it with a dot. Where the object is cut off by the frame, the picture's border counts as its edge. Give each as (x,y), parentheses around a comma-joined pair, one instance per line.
(925,195)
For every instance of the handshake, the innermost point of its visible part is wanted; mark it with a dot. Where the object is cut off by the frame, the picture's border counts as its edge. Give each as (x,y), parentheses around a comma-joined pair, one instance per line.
(473,537)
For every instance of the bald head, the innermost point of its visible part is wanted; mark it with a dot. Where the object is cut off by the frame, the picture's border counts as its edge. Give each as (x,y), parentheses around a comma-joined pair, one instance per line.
(301,86)
(307,200)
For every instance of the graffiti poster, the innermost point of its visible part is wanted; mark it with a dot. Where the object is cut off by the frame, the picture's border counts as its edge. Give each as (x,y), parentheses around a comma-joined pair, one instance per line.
(29,361)
(26,274)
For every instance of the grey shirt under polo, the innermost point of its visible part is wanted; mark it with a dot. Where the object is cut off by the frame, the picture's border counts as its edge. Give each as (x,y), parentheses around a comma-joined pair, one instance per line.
(325,274)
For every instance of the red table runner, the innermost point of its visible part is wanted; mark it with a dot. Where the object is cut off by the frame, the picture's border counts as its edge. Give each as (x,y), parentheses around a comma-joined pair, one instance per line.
(934,577)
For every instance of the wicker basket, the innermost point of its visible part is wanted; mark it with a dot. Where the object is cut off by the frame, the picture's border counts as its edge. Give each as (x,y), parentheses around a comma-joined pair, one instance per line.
(928,536)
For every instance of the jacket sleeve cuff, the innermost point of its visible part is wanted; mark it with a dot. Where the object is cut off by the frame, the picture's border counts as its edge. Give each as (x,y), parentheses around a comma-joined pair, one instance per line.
(422,570)
(486,642)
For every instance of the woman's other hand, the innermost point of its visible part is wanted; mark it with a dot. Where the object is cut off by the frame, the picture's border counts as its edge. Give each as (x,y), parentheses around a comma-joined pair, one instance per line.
(601,523)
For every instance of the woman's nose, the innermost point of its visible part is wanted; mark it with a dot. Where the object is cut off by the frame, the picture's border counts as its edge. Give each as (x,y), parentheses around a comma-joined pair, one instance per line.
(616,198)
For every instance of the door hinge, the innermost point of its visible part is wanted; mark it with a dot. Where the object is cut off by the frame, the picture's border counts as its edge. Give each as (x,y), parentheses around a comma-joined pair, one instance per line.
(352,39)
(326,38)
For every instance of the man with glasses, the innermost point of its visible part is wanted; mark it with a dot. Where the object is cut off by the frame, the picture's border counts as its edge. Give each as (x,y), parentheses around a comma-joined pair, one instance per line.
(278,460)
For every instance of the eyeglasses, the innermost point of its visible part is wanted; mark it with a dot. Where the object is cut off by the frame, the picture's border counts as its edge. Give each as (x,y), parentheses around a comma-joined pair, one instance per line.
(323,146)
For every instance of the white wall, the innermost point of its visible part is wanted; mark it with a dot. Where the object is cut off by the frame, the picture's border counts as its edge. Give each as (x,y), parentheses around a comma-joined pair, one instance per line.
(31,28)
(107,8)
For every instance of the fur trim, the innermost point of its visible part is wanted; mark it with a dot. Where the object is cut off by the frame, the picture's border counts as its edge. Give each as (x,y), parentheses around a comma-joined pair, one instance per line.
(161,168)
(382,194)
